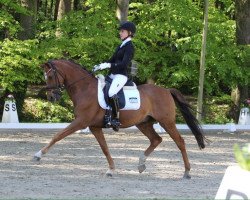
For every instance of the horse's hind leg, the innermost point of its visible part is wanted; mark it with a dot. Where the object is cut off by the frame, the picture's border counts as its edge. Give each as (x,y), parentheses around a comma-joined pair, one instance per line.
(175,135)
(98,133)
(147,129)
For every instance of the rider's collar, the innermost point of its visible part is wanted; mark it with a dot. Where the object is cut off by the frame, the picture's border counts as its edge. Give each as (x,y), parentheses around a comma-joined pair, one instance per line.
(125,41)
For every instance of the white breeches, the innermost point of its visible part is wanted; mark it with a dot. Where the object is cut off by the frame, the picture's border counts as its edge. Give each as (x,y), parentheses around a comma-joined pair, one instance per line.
(118,82)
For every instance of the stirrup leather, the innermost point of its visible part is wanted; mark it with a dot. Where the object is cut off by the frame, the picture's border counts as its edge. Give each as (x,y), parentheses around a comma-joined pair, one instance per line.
(115,123)
(107,118)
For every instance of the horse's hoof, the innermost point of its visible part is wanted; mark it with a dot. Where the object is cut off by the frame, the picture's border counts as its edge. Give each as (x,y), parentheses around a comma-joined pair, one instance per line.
(141,168)
(186,175)
(109,173)
(35,158)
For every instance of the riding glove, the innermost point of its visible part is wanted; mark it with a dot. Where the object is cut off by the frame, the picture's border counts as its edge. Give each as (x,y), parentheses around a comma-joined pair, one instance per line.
(101,66)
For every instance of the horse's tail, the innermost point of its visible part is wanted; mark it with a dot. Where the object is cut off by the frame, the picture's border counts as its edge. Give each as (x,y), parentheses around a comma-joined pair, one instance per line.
(190,119)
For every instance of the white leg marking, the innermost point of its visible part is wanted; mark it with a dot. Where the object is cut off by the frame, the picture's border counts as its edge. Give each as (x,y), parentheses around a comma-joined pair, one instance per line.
(38,155)
(110,172)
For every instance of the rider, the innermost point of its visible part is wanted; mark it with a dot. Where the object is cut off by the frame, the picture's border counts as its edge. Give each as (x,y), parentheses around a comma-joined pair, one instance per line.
(119,64)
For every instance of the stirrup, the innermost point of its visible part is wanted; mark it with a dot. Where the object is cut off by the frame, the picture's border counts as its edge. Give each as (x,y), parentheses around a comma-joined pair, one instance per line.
(115,123)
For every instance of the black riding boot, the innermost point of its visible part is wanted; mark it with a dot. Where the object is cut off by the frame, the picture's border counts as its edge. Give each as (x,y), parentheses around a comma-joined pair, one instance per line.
(115,123)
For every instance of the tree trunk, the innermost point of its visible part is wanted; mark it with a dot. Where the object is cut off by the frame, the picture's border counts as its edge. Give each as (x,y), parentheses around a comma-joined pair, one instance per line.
(242,15)
(56,9)
(51,9)
(45,8)
(242,8)
(27,22)
(202,64)
(63,8)
(122,10)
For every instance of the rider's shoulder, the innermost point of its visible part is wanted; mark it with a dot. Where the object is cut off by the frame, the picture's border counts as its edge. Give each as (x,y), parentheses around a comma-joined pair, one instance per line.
(129,45)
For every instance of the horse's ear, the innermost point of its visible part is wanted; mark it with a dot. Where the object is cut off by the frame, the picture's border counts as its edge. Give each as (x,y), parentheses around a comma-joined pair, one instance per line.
(44,65)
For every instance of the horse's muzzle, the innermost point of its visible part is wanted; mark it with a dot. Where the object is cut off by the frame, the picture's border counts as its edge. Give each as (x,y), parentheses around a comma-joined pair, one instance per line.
(54,95)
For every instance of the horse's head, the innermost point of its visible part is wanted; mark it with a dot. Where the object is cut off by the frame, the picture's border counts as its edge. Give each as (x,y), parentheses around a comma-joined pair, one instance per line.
(54,81)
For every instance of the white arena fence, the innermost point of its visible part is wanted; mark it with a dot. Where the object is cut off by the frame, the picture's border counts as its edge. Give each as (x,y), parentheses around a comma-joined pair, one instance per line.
(10,122)
(230,127)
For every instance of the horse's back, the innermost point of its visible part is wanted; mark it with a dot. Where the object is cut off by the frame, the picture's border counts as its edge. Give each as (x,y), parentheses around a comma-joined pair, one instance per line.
(157,98)
(153,91)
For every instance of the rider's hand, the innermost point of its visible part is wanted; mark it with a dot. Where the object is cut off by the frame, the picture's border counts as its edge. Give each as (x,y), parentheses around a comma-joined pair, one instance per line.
(96,68)
(104,66)
(101,66)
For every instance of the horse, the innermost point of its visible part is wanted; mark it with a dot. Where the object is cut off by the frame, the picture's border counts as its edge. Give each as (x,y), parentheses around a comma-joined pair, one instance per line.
(158,104)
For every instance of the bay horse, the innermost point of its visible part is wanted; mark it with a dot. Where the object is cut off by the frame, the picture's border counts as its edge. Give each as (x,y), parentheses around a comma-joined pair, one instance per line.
(157,105)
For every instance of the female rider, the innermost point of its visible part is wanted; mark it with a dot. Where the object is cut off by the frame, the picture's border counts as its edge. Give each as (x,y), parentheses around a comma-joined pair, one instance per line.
(118,66)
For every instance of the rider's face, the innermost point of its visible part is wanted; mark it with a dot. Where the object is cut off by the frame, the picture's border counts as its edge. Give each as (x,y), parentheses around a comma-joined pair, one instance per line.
(123,34)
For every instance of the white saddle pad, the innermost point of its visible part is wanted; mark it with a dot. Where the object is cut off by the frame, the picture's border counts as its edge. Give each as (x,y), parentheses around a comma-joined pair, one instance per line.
(131,93)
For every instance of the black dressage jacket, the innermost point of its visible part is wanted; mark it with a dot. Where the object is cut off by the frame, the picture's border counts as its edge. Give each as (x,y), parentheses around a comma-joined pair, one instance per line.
(121,60)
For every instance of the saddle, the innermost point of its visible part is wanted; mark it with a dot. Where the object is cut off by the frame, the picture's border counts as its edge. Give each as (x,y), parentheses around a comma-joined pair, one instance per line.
(129,96)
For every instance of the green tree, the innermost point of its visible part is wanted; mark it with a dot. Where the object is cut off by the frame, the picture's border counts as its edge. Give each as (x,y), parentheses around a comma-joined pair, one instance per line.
(18,59)
(168,41)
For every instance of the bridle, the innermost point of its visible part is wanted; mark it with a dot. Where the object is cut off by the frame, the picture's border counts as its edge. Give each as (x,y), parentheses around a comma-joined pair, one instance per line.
(56,73)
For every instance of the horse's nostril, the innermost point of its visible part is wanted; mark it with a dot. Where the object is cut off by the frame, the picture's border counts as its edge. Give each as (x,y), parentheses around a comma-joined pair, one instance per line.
(50,98)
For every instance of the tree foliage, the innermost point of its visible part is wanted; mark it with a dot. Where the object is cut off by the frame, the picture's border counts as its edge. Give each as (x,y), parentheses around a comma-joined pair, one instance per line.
(168,42)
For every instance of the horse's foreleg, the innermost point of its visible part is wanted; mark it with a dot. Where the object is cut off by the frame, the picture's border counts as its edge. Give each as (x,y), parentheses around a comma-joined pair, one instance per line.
(98,133)
(73,127)
(147,129)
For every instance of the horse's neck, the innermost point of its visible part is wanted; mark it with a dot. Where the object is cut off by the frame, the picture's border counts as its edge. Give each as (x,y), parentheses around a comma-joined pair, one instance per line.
(77,81)
(84,86)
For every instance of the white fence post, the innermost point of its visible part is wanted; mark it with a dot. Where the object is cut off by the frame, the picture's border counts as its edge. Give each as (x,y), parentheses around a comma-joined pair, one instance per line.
(244,117)
(10,111)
